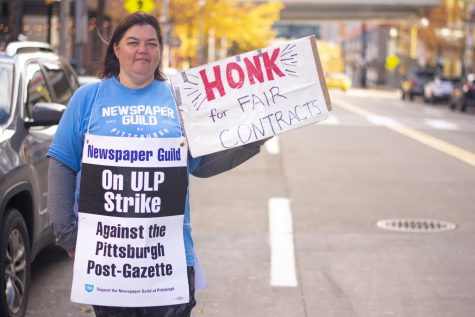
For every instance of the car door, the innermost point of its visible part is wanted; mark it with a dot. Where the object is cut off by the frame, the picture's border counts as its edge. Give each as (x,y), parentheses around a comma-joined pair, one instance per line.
(38,139)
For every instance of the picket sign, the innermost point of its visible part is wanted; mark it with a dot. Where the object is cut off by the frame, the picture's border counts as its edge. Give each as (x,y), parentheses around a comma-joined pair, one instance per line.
(252,96)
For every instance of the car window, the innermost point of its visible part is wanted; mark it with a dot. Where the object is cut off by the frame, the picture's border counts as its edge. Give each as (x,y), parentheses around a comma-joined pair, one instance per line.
(426,75)
(6,89)
(37,89)
(59,81)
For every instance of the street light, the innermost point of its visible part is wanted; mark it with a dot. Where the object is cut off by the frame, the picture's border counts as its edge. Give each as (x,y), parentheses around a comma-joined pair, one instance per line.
(393,32)
(424,22)
(451,35)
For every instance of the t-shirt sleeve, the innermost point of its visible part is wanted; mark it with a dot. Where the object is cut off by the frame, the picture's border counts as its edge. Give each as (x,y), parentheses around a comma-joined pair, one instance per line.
(68,141)
(193,162)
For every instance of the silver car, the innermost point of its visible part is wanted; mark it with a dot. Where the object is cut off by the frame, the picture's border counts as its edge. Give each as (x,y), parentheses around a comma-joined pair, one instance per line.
(36,84)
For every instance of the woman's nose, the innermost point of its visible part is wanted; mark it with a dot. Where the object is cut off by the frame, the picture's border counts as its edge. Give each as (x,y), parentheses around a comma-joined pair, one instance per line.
(142,48)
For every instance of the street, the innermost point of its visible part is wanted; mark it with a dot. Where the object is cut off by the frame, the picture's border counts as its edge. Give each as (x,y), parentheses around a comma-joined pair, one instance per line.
(293,231)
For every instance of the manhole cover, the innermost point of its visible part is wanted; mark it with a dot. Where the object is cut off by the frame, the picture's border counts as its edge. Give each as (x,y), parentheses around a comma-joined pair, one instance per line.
(415,225)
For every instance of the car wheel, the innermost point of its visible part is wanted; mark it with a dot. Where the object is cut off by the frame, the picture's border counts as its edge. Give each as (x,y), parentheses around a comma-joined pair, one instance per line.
(15,259)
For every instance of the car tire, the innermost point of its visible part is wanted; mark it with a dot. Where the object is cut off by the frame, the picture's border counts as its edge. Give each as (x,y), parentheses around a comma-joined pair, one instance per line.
(15,258)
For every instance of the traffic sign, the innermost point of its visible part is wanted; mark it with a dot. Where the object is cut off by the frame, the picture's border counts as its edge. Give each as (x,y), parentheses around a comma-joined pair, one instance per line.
(392,61)
(139,5)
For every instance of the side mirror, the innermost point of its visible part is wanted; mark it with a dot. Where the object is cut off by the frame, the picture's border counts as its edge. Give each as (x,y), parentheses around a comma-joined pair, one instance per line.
(46,114)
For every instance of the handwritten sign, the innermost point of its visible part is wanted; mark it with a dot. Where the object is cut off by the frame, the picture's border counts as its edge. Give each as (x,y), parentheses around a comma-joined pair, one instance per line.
(252,96)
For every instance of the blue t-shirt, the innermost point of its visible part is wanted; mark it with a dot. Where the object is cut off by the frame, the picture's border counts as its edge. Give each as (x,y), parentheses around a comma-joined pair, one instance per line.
(148,112)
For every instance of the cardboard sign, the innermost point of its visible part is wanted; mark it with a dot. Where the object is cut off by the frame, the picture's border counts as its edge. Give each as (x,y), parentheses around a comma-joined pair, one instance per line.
(252,96)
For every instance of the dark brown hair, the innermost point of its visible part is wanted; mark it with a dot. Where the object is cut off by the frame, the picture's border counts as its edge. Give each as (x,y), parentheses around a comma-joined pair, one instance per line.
(110,64)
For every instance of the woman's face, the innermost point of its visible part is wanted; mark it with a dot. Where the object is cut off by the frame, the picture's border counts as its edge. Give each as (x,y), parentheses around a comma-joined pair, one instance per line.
(138,52)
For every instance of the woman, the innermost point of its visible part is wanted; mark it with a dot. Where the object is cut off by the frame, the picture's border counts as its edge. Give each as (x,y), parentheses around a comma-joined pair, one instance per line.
(99,146)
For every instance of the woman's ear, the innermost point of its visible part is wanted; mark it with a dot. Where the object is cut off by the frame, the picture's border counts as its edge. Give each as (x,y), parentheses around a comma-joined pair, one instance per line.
(115,51)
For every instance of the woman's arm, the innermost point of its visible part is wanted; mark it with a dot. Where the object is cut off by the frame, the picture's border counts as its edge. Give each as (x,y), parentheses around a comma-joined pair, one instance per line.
(216,163)
(61,189)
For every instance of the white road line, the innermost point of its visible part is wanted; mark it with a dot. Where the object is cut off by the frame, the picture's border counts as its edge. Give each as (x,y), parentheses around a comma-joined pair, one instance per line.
(382,120)
(272,145)
(441,124)
(282,266)
(332,120)
(435,143)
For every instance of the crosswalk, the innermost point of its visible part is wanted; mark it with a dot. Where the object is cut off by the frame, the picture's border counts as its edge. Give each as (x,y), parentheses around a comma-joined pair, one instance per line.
(424,123)
(413,133)
(417,116)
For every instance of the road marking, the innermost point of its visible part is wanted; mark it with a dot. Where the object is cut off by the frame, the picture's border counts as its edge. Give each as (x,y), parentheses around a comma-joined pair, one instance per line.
(272,145)
(382,120)
(282,264)
(441,124)
(442,146)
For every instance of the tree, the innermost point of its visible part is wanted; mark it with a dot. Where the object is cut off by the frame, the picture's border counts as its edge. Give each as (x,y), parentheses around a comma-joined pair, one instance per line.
(240,25)
(444,37)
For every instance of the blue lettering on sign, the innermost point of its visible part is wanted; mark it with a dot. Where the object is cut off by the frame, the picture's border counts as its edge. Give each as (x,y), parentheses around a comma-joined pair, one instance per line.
(89,288)
(118,155)
(172,154)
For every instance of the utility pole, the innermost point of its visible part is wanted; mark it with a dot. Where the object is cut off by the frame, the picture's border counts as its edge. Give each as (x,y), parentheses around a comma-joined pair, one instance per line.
(166,33)
(364,47)
(97,42)
(64,37)
(15,19)
(80,17)
(201,53)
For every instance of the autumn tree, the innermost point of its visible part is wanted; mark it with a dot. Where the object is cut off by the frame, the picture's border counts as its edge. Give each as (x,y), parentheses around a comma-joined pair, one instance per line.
(444,37)
(221,26)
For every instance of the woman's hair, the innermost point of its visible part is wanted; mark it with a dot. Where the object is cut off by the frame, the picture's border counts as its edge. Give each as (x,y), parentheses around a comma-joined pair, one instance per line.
(110,64)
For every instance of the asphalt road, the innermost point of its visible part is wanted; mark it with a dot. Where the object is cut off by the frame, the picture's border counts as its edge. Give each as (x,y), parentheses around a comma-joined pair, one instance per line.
(293,231)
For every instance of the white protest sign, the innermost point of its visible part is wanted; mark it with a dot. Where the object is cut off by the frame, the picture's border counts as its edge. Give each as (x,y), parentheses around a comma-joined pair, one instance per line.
(130,249)
(252,96)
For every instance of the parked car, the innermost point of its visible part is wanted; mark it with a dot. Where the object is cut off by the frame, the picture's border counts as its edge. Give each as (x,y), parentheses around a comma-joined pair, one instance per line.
(463,95)
(413,84)
(36,84)
(338,80)
(83,80)
(438,89)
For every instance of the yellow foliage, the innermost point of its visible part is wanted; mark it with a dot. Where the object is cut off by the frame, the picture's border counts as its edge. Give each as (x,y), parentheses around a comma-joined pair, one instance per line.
(330,57)
(244,25)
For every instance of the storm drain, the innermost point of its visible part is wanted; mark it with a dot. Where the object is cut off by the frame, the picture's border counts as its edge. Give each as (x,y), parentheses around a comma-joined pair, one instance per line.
(415,225)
